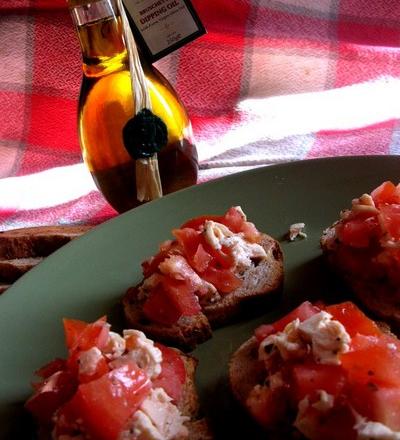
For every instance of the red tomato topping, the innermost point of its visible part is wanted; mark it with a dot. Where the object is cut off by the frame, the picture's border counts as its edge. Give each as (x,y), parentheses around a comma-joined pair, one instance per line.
(104,405)
(223,279)
(170,300)
(302,312)
(354,320)
(80,335)
(358,232)
(387,192)
(173,373)
(51,368)
(54,392)
(390,220)
(309,377)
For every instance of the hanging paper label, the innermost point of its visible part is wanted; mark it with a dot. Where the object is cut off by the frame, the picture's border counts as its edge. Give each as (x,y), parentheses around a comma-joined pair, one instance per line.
(162,26)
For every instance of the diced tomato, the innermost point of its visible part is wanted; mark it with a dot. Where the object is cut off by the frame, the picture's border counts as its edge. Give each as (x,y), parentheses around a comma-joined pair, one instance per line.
(353,319)
(380,404)
(390,220)
(198,222)
(224,280)
(221,258)
(302,312)
(173,373)
(387,192)
(51,368)
(234,220)
(170,300)
(268,407)
(373,359)
(358,232)
(201,259)
(80,335)
(189,240)
(310,377)
(264,331)
(250,232)
(104,405)
(54,392)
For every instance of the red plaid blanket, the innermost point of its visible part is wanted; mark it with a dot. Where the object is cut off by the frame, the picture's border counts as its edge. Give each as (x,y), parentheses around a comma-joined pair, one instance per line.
(272,81)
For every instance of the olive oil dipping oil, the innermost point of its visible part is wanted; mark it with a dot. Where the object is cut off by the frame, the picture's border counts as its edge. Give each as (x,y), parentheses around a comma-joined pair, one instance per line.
(106,104)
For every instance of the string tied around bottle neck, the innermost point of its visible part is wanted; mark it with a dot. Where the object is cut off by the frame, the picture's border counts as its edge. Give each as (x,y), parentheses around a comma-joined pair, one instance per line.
(145,134)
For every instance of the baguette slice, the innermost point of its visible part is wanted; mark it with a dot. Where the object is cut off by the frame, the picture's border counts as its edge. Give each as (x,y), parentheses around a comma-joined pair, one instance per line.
(22,249)
(39,241)
(189,403)
(369,281)
(260,283)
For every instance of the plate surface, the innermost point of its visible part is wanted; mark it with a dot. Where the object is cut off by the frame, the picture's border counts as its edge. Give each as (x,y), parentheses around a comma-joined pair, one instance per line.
(86,278)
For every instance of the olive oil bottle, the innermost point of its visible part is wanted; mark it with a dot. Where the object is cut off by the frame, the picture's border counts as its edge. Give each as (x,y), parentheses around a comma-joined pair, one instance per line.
(106,104)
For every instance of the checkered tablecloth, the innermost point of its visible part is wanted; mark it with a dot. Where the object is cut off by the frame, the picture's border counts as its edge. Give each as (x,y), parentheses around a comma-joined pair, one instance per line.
(272,81)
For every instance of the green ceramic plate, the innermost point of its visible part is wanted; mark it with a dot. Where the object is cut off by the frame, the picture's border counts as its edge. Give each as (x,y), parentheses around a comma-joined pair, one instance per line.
(86,278)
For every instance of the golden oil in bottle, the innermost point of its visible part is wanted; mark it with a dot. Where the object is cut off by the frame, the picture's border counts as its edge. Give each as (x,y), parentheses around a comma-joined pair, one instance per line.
(106,104)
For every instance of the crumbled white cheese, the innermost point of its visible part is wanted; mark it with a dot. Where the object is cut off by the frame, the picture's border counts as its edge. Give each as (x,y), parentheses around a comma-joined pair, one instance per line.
(325,337)
(325,402)
(367,430)
(88,360)
(303,423)
(115,346)
(156,419)
(218,235)
(391,346)
(297,230)
(142,351)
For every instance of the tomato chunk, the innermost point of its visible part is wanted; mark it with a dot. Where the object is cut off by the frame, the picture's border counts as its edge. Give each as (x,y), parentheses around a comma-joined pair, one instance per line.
(390,220)
(173,373)
(170,300)
(373,359)
(54,392)
(80,335)
(302,312)
(223,279)
(353,319)
(387,192)
(358,232)
(311,377)
(104,405)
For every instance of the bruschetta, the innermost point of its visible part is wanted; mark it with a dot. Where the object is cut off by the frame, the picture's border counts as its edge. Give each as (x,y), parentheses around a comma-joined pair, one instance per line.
(321,372)
(116,387)
(363,248)
(207,275)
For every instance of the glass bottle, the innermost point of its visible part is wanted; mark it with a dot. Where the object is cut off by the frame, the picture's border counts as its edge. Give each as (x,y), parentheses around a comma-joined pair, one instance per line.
(106,104)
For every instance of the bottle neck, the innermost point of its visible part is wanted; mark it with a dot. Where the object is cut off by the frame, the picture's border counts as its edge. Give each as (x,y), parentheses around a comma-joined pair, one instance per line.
(100,34)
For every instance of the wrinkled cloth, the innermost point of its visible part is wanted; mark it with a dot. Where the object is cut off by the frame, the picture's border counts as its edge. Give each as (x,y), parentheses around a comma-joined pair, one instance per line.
(272,81)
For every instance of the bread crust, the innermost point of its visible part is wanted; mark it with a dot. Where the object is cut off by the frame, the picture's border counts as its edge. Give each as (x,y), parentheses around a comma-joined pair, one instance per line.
(370,282)
(262,282)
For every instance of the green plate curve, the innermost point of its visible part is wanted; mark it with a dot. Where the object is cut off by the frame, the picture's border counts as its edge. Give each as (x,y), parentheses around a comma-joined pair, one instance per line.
(86,278)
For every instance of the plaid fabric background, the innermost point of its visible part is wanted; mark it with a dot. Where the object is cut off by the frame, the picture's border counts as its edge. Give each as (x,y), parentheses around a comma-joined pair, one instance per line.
(272,81)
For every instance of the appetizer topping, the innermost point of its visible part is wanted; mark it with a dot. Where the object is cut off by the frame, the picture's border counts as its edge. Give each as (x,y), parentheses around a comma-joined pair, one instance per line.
(157,419)
(320,335)
(142,351)
(334,369)
(367,430)
(206,259)
(297,230)
(110,387)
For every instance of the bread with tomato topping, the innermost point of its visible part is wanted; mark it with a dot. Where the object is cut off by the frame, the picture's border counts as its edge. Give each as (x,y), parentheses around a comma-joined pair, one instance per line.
(114,387)
(363,248)
(320,373)
(214,270)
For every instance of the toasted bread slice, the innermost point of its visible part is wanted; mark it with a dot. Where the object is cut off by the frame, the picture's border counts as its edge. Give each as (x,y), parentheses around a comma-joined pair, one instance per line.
(370,281)
(22,249)
(189,403)
(260,282)
(39,241)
